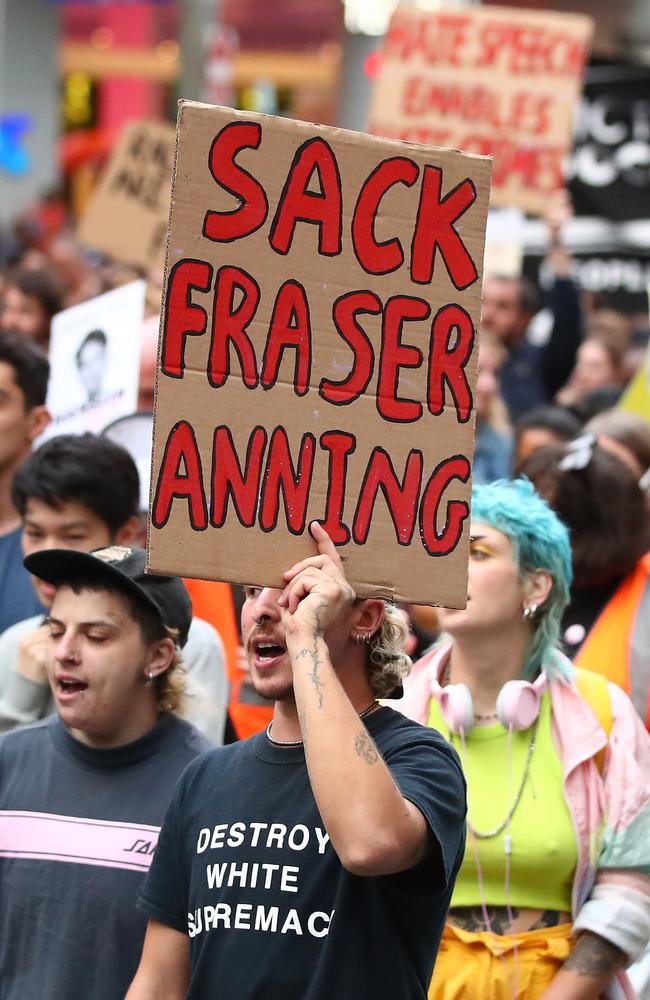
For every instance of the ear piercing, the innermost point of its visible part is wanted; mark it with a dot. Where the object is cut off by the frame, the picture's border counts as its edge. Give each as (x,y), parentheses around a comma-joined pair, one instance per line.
(529,612)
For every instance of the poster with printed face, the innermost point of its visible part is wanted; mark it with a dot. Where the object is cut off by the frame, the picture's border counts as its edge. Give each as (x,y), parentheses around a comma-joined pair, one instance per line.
(95,361)
(127,215)
(493,80)
(317,355)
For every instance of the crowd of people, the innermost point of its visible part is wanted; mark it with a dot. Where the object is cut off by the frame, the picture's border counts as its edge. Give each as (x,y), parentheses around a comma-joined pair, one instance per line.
(213,792)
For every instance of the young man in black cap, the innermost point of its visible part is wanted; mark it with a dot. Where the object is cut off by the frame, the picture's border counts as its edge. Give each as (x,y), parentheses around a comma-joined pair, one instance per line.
(80,491)
(83,793)
(314,861)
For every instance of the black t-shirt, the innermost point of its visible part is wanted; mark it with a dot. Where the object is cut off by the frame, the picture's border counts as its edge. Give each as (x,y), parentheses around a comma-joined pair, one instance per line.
(245,867)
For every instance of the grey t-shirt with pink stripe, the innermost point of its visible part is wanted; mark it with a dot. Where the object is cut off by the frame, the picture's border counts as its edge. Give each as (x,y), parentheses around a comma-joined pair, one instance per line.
(78,828)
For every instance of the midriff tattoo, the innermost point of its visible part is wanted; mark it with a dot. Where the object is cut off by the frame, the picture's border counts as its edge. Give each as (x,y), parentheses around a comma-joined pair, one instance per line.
(470,918)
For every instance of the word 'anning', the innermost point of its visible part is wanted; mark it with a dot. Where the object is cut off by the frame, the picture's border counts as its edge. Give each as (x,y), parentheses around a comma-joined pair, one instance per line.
(269,470)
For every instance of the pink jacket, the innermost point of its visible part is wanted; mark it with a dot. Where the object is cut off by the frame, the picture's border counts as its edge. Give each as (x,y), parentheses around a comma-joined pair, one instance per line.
(611,812)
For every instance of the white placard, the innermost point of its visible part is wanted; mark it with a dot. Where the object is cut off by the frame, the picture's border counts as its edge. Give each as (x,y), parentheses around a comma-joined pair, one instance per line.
(95,361)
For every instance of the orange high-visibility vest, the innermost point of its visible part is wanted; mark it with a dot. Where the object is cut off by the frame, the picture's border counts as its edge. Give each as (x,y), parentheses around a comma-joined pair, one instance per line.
(213,602)
(608,646)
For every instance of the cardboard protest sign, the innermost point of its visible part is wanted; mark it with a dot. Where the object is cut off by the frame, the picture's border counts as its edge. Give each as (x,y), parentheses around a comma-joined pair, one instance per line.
(127,215)
(317,355)
(492,80)
(95,361)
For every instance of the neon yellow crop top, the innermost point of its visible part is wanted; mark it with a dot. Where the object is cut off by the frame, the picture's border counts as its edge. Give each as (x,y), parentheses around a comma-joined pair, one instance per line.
(544,849)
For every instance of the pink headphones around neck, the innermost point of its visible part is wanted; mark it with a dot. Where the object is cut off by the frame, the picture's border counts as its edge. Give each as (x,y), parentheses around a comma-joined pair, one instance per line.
(517,705)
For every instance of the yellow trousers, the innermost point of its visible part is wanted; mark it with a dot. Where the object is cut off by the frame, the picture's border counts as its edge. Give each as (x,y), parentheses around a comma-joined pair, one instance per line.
(486,967)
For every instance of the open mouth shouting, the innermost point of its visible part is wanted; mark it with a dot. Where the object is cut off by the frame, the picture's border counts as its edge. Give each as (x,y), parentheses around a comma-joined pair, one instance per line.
(69,689)
(267,651)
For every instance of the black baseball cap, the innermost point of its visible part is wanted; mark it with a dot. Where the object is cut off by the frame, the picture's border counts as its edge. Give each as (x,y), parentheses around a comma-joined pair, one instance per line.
(122,566)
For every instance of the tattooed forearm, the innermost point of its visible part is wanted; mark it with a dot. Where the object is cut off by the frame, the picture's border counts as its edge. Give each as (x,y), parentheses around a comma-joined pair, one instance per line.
(594,956)
(366,748)
(313,655)
(315,664)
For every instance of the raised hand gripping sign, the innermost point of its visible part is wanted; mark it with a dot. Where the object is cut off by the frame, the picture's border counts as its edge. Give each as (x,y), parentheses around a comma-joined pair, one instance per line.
(317,355)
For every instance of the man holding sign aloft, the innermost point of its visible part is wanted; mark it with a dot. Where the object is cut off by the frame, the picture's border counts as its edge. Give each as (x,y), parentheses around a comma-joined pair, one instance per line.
(315,860)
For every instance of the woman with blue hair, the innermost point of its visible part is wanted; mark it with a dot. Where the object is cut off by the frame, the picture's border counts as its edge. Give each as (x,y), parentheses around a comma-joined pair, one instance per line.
(553,898)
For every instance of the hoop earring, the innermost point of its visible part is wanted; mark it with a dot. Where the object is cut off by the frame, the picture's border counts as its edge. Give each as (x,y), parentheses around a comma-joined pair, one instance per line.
(529,612)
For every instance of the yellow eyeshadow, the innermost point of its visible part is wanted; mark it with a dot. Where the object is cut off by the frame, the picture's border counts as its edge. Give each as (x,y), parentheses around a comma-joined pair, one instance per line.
(485,549)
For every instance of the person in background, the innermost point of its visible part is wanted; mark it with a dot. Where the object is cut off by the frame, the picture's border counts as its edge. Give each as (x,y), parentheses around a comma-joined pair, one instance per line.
(81,492)
(493,438)
(585,408)
(543,425)
(30,298)
(553,898)
(91,364)
(532,374)
(626,435)
(24,373)
(606,625)
(599,365)
(82,794)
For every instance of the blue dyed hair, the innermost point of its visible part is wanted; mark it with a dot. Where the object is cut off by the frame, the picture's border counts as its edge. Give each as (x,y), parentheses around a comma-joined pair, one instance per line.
(539,541)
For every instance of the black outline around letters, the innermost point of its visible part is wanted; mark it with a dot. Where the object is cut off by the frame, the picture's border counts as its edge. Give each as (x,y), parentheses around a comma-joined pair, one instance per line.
(308,441)
(242,201)
(190,287)
(157,523)
(361,538)
(229,492)
(459,503)
(394,240)
(328,384)
(393,397)
(309,194)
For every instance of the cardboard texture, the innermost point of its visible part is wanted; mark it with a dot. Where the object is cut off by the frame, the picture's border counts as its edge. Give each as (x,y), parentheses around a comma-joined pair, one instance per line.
(317,344)
(127,215)
(493,80)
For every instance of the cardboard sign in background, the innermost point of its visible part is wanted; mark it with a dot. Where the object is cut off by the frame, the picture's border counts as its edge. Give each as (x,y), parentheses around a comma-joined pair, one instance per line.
(317,355)
(127,215)
(493,80)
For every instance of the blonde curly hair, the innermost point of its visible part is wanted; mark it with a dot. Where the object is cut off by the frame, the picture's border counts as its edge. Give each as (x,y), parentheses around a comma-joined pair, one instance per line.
(388,663)
(169,687)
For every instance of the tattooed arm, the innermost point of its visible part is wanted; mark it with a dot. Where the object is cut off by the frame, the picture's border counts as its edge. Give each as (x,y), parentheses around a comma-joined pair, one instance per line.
(587,971)
(373,829)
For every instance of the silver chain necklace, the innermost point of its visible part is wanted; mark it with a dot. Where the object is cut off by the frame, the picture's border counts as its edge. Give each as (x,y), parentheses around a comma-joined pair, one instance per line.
(489,834)
(298,743)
